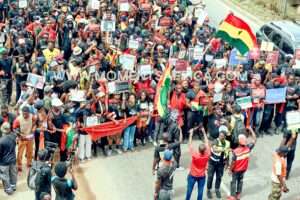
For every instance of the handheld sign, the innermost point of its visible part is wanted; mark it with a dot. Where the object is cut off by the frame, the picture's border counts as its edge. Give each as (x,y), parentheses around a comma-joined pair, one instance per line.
(272,57)
(266,46)
(118,87)
(133,44)
(36,81)
(127,61)
(91,121)
(236,58)
(254,54)
(78,95)
(108,26)
(293,120)
(276,95)
(145,70)
(244,102)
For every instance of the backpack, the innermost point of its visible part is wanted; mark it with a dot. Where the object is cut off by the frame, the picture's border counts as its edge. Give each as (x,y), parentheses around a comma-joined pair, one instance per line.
(35,176)
(238,128)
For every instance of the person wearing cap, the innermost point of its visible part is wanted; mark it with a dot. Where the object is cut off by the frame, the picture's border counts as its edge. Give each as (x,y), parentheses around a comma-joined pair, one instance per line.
(240,162)
(290,140)
(25,126)
(219,158)
(164,180)
(8,170)
(279,173)
(198,164)
(64,187)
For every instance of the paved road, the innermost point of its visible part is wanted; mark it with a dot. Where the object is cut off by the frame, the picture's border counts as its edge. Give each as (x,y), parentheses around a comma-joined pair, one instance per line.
(128,176)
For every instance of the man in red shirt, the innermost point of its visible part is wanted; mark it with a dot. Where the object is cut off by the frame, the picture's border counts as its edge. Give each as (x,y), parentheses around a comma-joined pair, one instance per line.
(198,165)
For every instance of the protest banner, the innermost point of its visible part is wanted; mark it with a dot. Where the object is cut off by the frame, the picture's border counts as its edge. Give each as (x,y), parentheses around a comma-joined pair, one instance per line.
(23,3)
(254,53)
(267,46)
(293,120)
(118,87)
(133,44)
(276,95)
(236,58)
(77,95)
(127,61)
(145,70)
(108,25)
(36,81)
(272,57)
(108,128)
(244,102)
(181,65)
(91,121)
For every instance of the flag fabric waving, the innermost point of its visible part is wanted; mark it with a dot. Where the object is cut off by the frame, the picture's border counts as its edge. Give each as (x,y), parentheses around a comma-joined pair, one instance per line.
(163,88)
(237,33)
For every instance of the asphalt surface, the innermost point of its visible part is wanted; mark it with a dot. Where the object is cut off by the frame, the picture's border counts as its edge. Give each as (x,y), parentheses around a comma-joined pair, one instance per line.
(129,177)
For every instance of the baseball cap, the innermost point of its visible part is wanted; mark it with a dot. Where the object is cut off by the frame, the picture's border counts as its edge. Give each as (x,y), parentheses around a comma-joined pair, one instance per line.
(168,154)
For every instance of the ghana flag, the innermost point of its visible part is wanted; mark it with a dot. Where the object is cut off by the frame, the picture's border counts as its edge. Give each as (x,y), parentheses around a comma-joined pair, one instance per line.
(162,91)
(237,33)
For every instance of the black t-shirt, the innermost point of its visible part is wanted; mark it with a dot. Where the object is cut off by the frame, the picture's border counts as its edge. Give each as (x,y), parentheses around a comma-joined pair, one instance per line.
(131,110)
(212,126)
(63,188)
(291,90)
(165,175)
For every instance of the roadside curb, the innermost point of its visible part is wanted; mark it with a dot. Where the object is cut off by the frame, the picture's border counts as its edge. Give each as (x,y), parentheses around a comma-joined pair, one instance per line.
(234,7)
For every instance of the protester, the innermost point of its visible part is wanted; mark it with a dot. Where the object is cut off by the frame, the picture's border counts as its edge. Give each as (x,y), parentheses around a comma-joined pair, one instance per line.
(8,170)
(63,187)
(198,167)
(279,173)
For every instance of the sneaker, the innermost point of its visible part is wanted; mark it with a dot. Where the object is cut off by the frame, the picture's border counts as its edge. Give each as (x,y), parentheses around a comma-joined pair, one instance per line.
(9,191)
(278,131)
(209,194)
(109,152)
(119,151)
(13,187)
(179,168)
(218,194)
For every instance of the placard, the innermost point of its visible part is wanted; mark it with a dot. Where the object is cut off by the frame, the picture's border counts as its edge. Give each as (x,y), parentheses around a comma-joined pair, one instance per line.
(198,53)
(220,63)
(181,65)
(36,81)
(77,95)
(201,14)
(127,61)
(92,69)
(254,53)
(55,75)
(108,26)
(276,95)
(293,120)
(95,4)
(133,44)
(209,58)
(244,102)
(272,57)
(145,70)
(267,46)
(124,6)
(218,97)
(23,3)
(91,121)
(236,58)
(118,87)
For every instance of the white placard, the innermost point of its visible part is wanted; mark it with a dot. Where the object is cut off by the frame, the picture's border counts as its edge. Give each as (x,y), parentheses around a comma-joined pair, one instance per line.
(201,14)
(198,53)
(220,63)
(91,121)
(218,97)
(108,26)
(36,81)
(267,46)
(95,4)
(145,70)
(111,87)
(22,3)
(124,7)
(209,58)
(77,95)
(293,120)
(133,44)
(127,61)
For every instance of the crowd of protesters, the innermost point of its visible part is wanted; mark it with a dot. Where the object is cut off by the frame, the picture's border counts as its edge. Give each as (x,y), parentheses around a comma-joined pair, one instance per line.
(64,42)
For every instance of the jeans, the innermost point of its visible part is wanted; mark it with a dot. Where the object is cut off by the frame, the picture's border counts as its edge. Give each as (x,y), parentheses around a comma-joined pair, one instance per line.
(236,183)
(256,118)
(129,137)
(190,185)
(85,146)
(8,174)
(214,168)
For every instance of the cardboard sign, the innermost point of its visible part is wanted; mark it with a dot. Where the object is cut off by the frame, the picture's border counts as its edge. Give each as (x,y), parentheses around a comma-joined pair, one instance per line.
(145,70)
(108,26)
(272,57)
(124,6)
(198,52)
(267,46)
(293,120)
(36,81)
(276,95)
(118,87)
(22,3)
(244,102)
(254,54)
(133,44)
(236,58)
(77,95)
(127,61)
(91,121)
(220,63)
(181,65)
